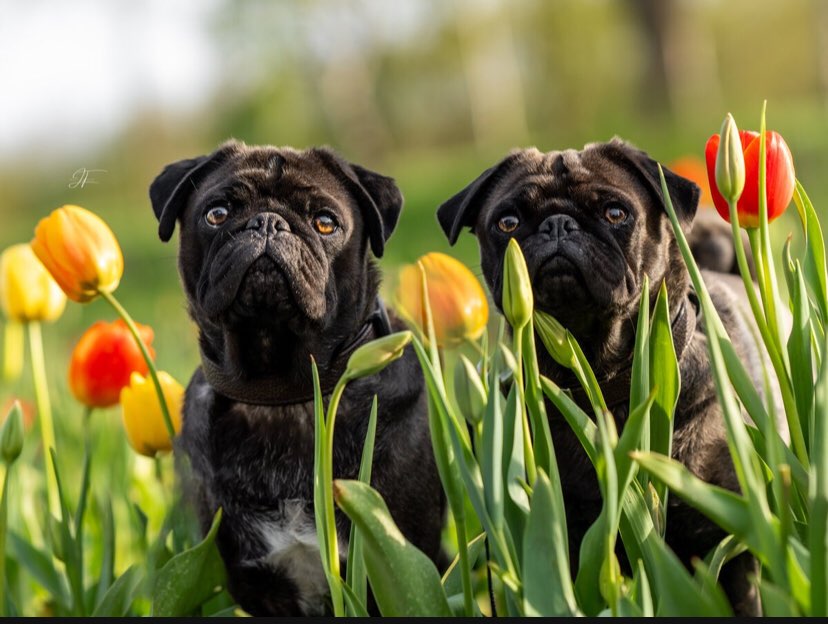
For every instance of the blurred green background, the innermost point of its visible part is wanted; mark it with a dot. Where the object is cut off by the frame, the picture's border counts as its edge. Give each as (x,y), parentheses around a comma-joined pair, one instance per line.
(428,91)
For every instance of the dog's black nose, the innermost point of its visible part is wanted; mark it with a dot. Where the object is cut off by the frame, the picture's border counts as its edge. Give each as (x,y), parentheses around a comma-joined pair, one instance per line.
(559,226)
(268,223)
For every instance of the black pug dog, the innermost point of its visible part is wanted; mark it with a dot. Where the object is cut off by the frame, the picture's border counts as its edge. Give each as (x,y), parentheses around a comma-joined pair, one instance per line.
(591,225)
(275,261)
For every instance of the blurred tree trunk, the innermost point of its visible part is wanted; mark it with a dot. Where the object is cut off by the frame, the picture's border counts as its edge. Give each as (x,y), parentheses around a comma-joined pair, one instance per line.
(653,17)
(347,85)
(682,75)
(492,74)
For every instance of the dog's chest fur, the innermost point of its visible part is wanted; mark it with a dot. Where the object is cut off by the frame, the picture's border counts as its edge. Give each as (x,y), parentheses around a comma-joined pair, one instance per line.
(291,547)
(257,465)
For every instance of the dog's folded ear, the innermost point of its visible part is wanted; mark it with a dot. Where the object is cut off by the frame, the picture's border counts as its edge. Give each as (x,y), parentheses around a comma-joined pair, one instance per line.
(172,188)
(461,210)
(378,197)
(683,192)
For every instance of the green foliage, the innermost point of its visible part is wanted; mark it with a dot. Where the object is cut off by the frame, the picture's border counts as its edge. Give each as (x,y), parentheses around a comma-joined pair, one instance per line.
(495,452)
(189,578)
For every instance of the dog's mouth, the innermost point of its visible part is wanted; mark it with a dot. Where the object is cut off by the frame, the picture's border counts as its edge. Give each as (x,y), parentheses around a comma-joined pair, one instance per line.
(560,282)
(264,288)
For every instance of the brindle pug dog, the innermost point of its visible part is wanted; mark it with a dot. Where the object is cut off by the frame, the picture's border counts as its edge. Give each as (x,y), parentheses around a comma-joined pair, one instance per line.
(276,263)
(591,225)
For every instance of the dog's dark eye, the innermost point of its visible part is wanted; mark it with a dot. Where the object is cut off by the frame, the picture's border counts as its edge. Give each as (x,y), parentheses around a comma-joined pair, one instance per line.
(216,216)
(615,214)
(324,223)
(508,223)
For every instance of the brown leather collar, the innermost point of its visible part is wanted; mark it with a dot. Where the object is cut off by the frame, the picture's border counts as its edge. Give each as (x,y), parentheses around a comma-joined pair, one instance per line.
(275,391)
(616,389)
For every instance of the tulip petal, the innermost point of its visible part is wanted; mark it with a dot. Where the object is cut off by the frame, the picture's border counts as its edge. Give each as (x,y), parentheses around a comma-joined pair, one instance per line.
(456,298)
(141,412)
(80,251)
(27,291)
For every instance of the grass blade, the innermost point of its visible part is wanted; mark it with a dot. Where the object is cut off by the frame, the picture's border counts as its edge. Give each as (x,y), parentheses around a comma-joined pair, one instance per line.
(355,576)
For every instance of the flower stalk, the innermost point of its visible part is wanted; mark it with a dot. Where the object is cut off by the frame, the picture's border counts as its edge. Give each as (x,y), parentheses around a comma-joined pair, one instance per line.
(44,413)
(153,371)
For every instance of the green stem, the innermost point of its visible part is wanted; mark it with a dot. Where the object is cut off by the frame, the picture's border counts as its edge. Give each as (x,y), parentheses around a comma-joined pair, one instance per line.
(464,563)
(87,428)
(4,517)
(327,484)
(528,451)
(771,345)
(44,413)
(771,285)
(165,411)
(771,341)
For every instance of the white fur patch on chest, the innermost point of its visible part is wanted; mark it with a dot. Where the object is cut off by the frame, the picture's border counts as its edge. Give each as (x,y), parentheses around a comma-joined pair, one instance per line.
(290,536)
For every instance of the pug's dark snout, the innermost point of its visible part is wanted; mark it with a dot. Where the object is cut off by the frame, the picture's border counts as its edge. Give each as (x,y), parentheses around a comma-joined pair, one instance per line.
(558,226)
(268,223)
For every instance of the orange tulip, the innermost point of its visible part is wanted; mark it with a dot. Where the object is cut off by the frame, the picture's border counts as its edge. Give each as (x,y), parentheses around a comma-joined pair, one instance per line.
(27,291)
(458,303)
(80,251)
(694,169)
(779,175)
(142,416)
(103,361)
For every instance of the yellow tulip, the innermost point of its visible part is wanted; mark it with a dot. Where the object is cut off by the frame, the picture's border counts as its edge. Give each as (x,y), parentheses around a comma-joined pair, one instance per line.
(27,291)
(142,416)
(80,251)
(458,303)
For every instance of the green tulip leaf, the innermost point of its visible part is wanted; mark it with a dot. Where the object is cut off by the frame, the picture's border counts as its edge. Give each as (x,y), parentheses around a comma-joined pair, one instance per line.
(190,578)
(818,499)
(452,582)
(640,380)
(776,602)
(815,270)
(547,584)
(356,577)
(405,582)
(678,593)
(40,566)
(730,511)
(118,599)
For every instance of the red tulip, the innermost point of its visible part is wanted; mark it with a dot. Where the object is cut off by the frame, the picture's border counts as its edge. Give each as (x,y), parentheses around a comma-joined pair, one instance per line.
(103,361)
(780,177)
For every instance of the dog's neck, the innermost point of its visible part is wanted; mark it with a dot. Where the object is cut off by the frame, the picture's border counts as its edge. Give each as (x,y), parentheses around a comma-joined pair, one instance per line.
(270,363)
(609,346)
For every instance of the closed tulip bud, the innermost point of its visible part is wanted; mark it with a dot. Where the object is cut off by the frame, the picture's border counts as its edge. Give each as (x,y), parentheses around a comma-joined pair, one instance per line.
(11,434)
(103,361)
(80,251)
(469,391)
(730,162)
(373,357)
(457,301)
(517,289)
(143,420)
(27,291)
(554,337)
